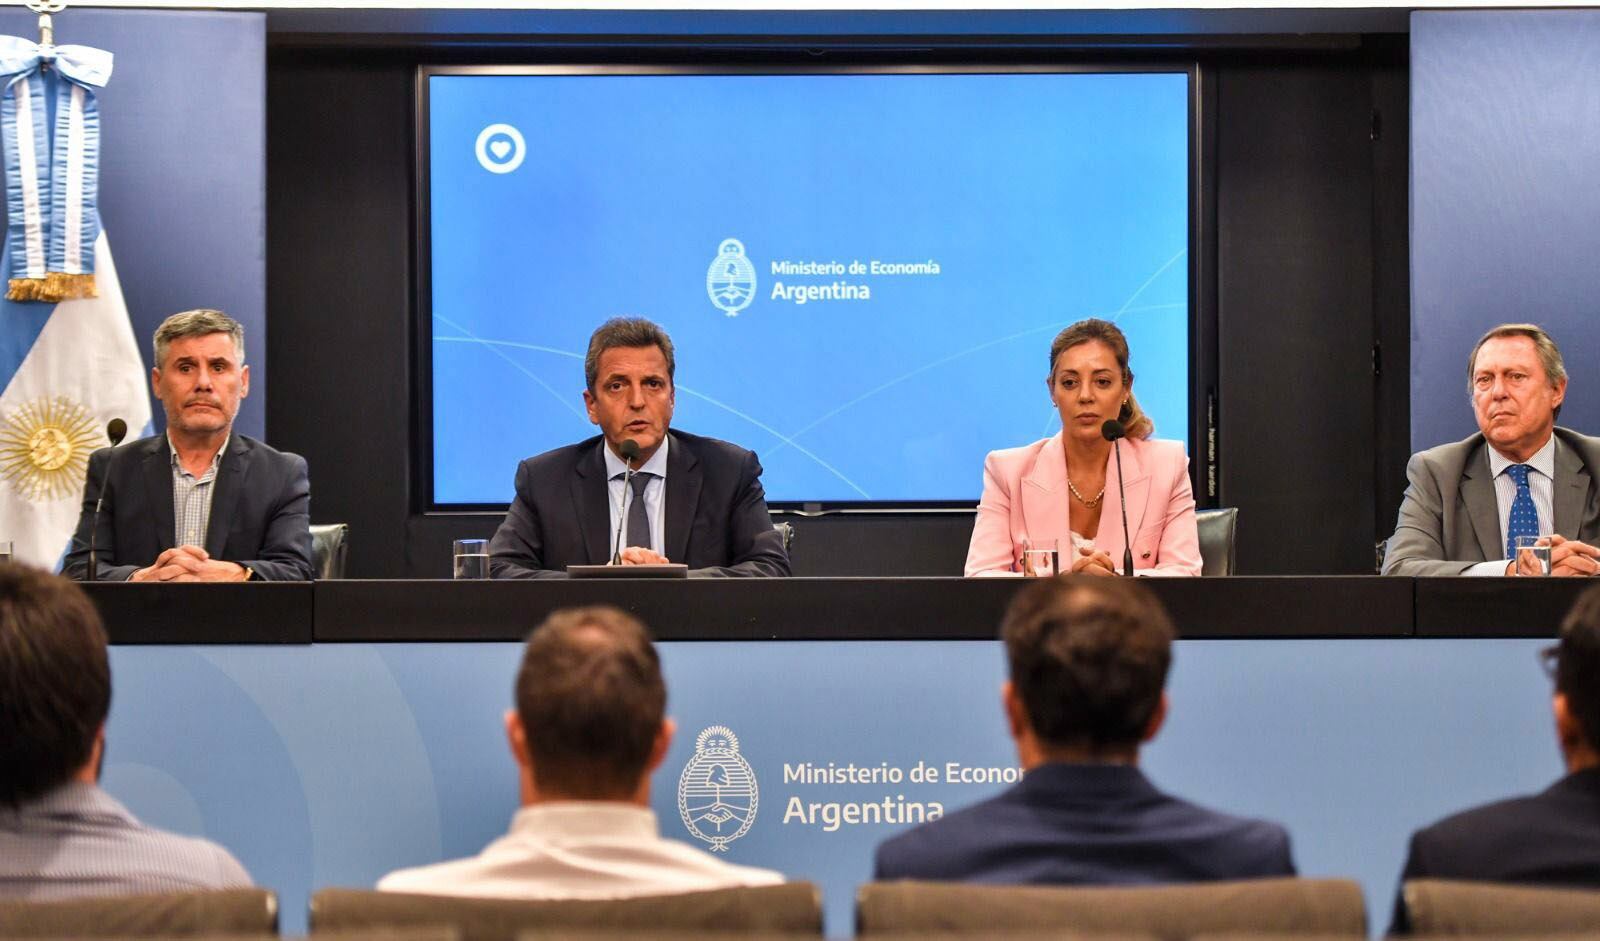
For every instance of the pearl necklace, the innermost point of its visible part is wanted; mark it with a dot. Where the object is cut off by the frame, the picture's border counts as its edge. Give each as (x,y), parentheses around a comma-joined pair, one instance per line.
(1091,504)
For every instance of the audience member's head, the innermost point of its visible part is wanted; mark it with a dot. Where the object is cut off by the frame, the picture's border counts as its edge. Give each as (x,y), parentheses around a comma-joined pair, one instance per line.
(1577,676)
(590,721)
(55,684)
(1089,659)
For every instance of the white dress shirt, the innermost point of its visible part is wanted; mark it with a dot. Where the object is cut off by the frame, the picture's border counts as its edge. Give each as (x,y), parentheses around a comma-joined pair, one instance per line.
(579,850)
(1541,484)
(655,494)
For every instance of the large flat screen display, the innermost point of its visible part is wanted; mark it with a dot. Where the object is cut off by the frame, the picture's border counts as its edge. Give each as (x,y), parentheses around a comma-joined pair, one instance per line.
(861,271)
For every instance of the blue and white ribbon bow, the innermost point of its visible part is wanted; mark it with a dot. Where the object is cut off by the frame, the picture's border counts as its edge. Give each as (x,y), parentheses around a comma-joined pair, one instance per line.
(52,174)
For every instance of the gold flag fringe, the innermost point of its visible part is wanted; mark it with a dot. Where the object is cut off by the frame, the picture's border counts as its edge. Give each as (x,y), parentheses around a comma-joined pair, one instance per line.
(54,286)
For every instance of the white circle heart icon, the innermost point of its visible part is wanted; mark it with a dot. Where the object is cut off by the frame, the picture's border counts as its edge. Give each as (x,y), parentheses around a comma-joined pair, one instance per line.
(501,148)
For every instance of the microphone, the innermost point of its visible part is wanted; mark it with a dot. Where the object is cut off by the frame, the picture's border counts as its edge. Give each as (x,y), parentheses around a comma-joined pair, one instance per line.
(1113,431)
(116,430)
(629,449)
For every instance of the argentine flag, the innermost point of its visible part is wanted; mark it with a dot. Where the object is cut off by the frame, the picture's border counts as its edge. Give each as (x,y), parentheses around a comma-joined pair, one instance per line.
(66,369)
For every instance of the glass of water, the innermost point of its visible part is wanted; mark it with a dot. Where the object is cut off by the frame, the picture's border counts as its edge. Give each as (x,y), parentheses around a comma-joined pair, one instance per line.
(1533,555)
(1042,561)
(472,558)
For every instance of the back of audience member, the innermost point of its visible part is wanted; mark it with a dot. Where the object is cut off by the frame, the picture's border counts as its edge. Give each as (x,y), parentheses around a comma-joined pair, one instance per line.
(60,834)
(1088,660)
(1549,838)
(588,729)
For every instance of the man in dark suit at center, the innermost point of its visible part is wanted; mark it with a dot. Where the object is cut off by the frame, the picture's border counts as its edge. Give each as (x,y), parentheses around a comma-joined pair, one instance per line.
(1089,659)
(1551,838)
(692,500)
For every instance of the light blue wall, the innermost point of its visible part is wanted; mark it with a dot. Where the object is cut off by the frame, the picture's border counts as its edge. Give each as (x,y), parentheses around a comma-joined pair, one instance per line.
(1505,142)
(331,765)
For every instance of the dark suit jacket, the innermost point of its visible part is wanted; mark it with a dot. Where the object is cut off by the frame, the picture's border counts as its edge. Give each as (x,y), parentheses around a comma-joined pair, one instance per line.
(260,510)
(1551,838)
(1449,519)
(1090,825)
(717,521)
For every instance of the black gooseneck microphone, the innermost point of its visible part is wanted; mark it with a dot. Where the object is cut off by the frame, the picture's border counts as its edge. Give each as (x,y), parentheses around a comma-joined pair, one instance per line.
(1113,431)
(116,430)
(629,449)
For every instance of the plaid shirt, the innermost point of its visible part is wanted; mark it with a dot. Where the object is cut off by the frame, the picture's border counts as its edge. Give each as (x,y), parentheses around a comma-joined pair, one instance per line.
(191,497)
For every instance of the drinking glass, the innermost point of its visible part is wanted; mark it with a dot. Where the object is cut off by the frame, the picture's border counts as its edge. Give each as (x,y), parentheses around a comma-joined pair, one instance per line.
(472,558)
(1533,555)
(1042,561)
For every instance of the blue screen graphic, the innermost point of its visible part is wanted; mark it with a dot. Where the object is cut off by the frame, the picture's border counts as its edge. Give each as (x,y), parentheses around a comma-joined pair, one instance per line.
(861,273)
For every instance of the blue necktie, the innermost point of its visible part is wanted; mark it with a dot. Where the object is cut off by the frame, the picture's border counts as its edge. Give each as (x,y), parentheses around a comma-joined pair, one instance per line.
(1524,520)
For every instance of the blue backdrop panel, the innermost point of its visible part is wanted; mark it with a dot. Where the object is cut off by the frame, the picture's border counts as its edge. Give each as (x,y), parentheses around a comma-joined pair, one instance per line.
(1505,139)
(332,765)
(182,168)
(1028,201)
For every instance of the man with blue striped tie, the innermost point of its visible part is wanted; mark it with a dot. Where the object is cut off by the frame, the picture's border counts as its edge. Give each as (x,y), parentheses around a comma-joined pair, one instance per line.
(1520,475)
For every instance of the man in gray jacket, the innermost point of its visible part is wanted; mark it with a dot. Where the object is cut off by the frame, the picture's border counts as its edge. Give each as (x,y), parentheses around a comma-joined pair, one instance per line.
(1520,475)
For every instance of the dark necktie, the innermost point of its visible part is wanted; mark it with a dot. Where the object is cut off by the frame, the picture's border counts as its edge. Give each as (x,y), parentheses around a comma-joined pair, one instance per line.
(638,516)
(1523,519)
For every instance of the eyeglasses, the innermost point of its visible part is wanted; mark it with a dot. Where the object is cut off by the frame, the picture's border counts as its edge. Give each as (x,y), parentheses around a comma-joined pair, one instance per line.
(1549,659)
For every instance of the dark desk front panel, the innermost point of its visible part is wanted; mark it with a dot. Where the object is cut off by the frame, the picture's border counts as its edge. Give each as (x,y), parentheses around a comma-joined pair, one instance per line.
(1495,607)
(815,608)
(676,609)
(842,608)
(232,613)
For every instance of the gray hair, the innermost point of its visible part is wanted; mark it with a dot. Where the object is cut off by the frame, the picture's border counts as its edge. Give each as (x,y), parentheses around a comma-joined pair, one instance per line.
(625,331)
(197,323)
(1555,372)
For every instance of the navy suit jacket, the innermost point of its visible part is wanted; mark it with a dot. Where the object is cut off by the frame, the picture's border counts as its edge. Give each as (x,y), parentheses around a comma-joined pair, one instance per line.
(260,510)
(1550,838)
(717,520)
(1089,824)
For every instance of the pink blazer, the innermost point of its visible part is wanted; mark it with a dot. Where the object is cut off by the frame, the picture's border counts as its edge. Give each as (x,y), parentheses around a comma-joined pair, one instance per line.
(1025,498)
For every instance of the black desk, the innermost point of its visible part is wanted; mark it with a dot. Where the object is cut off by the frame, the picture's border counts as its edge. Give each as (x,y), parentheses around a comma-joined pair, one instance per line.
(842,608)
(815,608)
(811,609)
(264,613)
(1495,607)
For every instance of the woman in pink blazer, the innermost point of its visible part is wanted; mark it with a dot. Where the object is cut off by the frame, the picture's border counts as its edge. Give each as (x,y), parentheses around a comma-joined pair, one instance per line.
(1043,493)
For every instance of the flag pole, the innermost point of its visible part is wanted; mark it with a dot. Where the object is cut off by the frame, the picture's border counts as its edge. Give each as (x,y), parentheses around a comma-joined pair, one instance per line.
(47,32)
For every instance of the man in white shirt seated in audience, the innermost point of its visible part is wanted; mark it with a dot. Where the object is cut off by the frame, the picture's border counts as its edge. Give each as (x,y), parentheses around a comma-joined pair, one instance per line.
(588,730)
(60,835)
